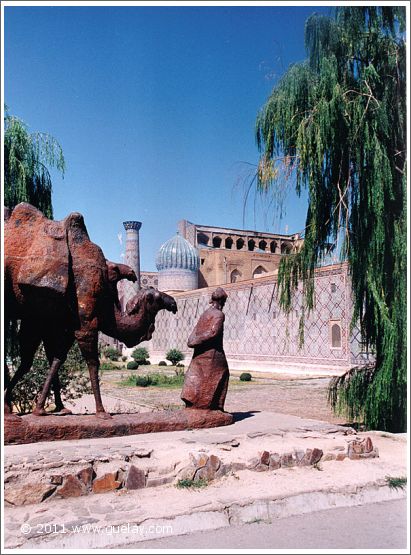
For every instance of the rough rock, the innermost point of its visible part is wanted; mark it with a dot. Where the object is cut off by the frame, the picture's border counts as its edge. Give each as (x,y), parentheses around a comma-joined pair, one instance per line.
(72,487)
(159,481)
(238,466)
(275,461)
(28,494)
(252,463)
(361,448)
(299,455)
(305,460)
(223,470)
(205,473)
(315,456)
(261,467)
(105,483)
(86,476)
(214,462)
(287,460)
(187,473)
(198,459)
(136,478)
(265,457)
(368,447)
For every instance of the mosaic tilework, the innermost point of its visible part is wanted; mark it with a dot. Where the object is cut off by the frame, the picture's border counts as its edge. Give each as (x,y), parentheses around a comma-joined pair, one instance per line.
(256,328)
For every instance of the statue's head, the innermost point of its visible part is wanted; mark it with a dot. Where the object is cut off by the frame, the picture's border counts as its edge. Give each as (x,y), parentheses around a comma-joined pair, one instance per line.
(219,296)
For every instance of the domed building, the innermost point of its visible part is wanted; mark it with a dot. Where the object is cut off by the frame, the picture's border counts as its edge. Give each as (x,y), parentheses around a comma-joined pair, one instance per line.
(177,264)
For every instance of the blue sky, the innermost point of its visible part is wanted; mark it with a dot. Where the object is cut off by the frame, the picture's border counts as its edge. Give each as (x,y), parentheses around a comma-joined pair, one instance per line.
(155,109)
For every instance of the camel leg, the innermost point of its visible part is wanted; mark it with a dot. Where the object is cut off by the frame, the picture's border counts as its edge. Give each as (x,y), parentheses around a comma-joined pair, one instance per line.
(29,343)
(57,349)
(59,405)
(89,350)
(58,401)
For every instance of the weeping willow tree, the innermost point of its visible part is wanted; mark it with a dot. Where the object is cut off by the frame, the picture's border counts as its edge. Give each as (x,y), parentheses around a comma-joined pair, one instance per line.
(338,120)
(27,159)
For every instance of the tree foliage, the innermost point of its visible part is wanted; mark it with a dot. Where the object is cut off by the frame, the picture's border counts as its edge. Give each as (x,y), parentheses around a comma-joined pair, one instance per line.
(27,159)
(338,120)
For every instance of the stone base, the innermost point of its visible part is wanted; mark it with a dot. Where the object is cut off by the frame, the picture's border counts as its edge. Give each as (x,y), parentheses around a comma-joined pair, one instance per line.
(31,429)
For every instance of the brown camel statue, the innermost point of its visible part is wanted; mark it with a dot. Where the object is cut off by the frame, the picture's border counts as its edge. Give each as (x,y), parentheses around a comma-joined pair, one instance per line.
(61,288)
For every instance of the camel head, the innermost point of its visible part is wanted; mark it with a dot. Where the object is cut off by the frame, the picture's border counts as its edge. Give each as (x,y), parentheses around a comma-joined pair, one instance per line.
(137,323)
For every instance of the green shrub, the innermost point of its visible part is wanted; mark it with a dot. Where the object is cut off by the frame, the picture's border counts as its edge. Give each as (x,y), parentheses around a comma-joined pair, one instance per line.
(140,355)
(124,358)
(174,356)
(104,366)
(143,381)
(111,353)
(162,363)
(74,380)
(245,377)
(132,365)
(398,482)
(186,483)
(154,379)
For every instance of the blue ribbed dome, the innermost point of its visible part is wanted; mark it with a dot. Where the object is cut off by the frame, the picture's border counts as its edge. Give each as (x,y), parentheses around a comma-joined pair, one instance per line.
(177,253)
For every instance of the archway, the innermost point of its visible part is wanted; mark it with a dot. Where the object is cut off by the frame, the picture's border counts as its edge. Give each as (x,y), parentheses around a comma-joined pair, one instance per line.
(235,276)
(336,336)
(202,239)
(259,270)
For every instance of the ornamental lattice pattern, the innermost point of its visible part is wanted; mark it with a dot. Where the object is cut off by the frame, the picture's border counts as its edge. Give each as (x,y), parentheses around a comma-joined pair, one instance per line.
(256,328)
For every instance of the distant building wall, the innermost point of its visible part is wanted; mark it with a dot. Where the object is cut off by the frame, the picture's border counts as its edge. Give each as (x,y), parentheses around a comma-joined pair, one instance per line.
(259,336)
(231,255)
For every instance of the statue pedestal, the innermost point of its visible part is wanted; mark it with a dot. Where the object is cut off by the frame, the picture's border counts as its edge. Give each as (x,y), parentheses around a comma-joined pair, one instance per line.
(32,429)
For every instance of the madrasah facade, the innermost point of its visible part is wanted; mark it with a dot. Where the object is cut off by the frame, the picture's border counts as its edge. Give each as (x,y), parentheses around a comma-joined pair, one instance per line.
(258,335)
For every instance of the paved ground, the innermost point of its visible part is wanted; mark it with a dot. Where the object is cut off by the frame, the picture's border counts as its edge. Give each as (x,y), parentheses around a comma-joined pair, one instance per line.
(372,526)
(240,497)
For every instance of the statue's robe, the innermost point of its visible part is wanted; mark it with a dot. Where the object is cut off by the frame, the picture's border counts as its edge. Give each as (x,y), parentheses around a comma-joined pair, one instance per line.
(206,380)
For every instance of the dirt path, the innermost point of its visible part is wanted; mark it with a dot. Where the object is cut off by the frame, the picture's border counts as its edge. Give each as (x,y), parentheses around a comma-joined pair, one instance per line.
(304,397)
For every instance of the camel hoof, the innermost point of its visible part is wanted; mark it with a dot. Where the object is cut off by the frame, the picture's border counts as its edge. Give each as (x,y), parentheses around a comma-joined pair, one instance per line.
(39,412)
(62,412)
(103,415)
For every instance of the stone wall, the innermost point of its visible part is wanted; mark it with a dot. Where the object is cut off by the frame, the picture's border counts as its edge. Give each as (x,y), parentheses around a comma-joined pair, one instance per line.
(259,336)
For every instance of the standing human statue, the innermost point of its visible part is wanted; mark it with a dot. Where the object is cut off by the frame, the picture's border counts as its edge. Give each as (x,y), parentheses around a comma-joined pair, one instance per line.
(206,380)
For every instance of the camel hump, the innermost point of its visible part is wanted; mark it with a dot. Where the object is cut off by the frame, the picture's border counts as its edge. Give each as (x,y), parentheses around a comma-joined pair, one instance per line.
(36,251)
(25,213)
(76,228)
